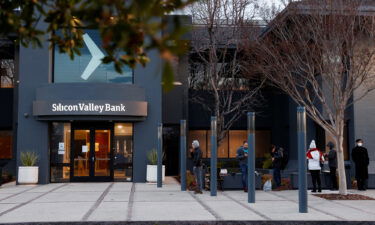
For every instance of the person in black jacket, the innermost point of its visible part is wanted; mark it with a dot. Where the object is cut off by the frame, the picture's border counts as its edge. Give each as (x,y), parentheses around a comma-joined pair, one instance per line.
(196,155)
(361,160)
(332,163)
(277,157)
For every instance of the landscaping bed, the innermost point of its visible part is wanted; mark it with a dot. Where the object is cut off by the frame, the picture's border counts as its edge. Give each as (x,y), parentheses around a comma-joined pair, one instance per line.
(343,197)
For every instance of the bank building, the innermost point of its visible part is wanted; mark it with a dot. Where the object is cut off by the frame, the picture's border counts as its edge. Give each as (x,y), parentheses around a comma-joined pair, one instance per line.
(89,123)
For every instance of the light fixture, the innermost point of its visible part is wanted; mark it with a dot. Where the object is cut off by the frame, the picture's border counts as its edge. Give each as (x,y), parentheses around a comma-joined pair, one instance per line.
(119,126)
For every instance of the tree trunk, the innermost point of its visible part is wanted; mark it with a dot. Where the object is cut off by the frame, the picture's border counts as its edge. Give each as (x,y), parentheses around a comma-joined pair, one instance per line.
(340,158)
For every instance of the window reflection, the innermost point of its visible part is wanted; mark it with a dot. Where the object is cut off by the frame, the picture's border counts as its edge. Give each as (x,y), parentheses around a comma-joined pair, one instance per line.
(7,73)
(67,70)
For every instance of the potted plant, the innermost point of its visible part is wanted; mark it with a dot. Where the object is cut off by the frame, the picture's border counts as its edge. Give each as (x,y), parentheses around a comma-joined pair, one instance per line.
(152,170)
(28,172)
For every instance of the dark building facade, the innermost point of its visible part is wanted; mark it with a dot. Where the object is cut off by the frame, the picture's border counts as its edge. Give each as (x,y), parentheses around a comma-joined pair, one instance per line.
(88,123)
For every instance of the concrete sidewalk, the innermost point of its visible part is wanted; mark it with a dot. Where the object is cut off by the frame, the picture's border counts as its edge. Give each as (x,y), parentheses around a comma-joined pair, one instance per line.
(146,202)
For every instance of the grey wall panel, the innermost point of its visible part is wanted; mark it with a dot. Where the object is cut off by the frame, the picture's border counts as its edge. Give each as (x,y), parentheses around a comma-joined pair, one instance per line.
(32,135)
(173,105)
(90,91)
(364,125)
(145,133)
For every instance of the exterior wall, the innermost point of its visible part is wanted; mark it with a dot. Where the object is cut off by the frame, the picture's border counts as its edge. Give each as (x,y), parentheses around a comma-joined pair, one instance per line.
(145,133)
(32,135)
(364,125)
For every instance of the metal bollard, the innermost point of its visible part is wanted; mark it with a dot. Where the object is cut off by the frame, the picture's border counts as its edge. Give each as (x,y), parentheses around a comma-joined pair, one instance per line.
(251,157)
(160,156)
(302,181)
(183,154)
(213,182)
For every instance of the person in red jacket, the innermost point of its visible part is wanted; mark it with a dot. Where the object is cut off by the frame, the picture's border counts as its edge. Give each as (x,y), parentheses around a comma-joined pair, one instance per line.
(315,157)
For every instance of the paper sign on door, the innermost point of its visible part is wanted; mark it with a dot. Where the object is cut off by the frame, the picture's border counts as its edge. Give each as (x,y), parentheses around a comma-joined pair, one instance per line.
(84,148)
(61,149)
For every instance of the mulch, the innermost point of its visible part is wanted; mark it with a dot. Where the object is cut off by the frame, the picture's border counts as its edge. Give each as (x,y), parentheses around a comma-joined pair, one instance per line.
(343,197)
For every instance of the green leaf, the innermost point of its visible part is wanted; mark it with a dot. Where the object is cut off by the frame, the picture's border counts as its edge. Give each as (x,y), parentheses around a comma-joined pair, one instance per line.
(168,78)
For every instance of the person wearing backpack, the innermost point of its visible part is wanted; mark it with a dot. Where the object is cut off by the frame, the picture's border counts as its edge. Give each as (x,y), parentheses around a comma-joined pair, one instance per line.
(277,163)
(332,162)
(315,157)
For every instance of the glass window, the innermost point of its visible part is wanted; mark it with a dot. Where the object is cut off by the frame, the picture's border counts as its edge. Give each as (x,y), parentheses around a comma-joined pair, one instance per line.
(7,73)
(81,153)
(222,149)
(6,144)
(237,137)
(60,152)
(123,155)
(88,66)
(199,135)
(262,142)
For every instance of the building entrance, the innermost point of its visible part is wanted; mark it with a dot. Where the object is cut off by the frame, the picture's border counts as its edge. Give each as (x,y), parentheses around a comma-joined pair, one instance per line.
(92,152)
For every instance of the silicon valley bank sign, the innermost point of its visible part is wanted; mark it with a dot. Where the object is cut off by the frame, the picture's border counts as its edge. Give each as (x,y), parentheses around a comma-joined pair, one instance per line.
(90,107)
(75,107)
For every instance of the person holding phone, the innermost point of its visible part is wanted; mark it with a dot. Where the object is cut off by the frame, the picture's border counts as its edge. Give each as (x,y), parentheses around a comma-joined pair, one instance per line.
(242,153)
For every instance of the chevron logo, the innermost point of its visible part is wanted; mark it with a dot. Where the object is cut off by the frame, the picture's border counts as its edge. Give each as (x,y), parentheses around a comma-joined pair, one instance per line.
(96,59)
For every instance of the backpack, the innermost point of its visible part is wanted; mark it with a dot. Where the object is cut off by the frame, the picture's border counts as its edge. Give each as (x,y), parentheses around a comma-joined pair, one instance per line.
(284,159)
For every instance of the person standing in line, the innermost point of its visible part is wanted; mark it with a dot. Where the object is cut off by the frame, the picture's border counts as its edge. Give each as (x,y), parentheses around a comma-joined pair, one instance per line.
(242,153)
(196,155)
(315,157)
(332,163)
(361,160)
(277,156)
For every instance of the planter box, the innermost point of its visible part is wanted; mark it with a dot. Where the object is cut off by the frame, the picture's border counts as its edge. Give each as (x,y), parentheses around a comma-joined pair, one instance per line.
(28,174)
(233,181)
(152,173)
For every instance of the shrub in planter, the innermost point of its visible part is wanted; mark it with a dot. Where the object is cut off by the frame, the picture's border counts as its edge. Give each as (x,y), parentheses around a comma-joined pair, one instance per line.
(28,172)
(151,173)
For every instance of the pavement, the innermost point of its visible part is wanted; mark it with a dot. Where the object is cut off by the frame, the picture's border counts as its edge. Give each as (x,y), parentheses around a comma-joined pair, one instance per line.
(122,202)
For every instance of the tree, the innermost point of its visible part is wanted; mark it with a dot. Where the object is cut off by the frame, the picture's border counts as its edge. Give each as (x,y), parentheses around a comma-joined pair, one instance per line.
(128,28)
(321,53)
(217,62)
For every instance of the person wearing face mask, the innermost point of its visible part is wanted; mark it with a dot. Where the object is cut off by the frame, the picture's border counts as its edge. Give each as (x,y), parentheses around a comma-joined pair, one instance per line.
(242,153)
(361,160)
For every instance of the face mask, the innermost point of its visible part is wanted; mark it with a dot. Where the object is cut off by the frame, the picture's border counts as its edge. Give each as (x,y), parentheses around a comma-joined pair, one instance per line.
(359,144)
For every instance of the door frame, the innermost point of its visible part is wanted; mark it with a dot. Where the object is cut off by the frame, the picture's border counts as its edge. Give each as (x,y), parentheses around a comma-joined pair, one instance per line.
(92,126)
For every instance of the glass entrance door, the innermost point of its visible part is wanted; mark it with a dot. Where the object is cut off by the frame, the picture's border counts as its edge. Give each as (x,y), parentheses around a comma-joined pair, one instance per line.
(102,153)
(91,153)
